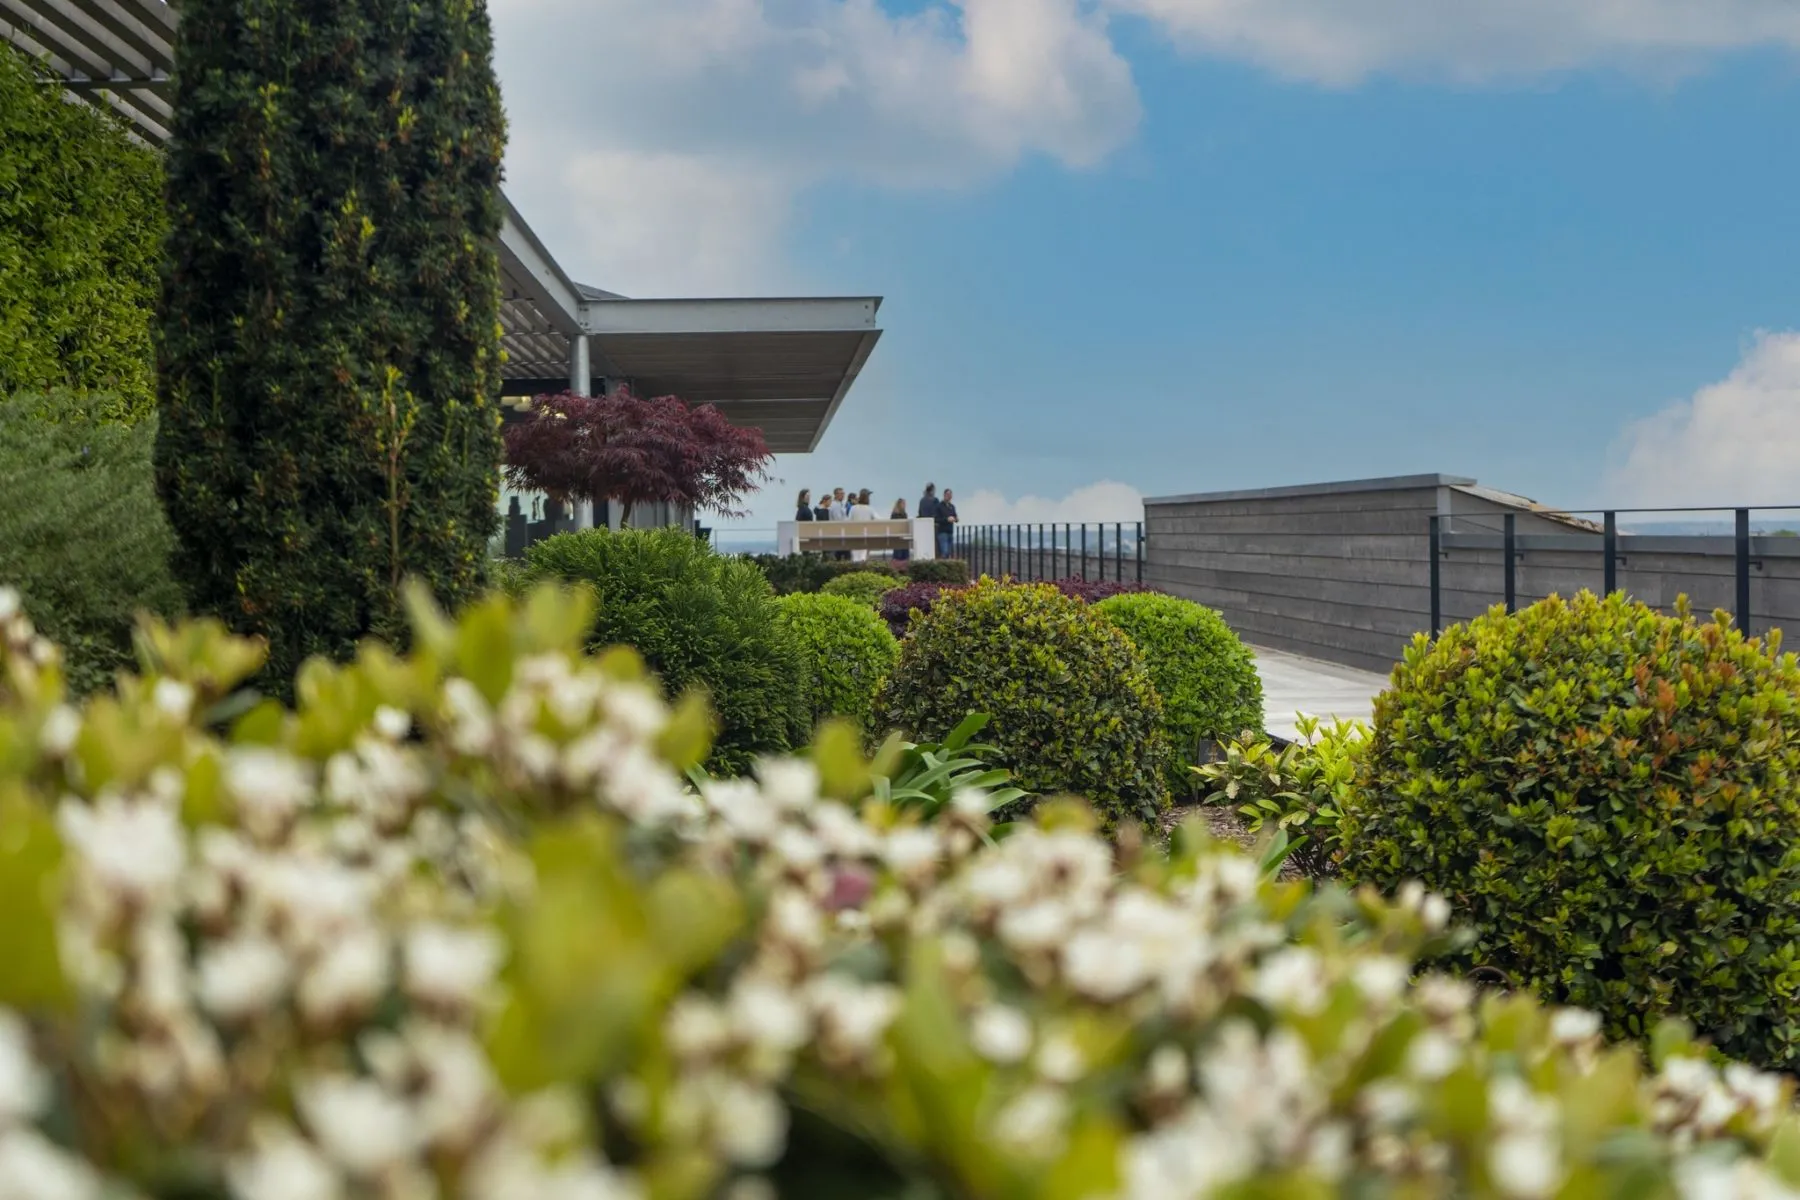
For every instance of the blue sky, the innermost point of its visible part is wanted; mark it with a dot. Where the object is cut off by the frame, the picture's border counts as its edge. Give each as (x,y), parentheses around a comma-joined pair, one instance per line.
(1564,266)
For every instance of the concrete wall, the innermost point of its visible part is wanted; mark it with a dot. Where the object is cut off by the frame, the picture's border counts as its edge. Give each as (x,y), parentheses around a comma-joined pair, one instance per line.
(1341,571)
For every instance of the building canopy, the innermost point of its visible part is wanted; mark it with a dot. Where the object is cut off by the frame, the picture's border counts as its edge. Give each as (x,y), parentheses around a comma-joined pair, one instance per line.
(781,365)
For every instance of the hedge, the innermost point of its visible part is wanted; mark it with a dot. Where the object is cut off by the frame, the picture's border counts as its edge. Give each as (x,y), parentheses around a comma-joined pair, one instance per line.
(330,360)
(81,232)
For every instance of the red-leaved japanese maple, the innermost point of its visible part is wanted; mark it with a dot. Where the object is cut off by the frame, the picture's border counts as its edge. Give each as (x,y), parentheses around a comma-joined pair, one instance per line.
(635,450)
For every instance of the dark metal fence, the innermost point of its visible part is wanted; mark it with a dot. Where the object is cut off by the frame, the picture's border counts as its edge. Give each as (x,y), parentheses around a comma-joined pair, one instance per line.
(1101,550)
(1752,572)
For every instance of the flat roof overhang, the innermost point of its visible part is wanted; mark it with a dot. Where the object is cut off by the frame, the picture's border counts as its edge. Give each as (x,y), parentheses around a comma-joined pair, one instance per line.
(783,365)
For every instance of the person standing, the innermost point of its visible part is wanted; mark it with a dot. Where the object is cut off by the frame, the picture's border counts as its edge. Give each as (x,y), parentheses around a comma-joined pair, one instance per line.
(839,509)
(899,514)
(822,510)
(928,503)
(861,510)
(846,502)
(945,520)
(803,509)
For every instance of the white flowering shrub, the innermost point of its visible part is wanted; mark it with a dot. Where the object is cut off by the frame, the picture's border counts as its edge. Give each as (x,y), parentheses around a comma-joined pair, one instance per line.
(454,927)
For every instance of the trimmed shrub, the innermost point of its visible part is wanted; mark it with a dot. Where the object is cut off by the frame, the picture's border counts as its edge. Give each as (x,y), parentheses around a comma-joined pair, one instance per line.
(848,650)
(795,573)
(496,945)
(81,233)
(1072,703)
(898,605)
(866,587)
(329,354)
(937,570)
(792,573)
(700,620)
(1612,797)
(82,537)
(1205,675)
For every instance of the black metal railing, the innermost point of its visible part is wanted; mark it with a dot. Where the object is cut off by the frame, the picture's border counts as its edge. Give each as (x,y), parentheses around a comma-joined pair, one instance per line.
(1681,553)
(1095,550)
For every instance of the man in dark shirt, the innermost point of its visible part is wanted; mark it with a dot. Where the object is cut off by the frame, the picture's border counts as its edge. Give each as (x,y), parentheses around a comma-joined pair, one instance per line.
(944,513)
(928,503)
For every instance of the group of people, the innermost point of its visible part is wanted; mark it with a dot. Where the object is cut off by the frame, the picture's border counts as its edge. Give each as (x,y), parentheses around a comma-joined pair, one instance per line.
(840,504)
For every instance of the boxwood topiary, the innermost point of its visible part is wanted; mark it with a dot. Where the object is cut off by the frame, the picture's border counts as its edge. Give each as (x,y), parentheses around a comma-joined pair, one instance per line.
(866,587)
(848,650)
(1205,675)
(1612,797)
(700,620)
(1073,706)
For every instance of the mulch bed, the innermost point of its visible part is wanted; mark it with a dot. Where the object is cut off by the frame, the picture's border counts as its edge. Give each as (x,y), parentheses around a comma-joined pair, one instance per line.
(1224,824)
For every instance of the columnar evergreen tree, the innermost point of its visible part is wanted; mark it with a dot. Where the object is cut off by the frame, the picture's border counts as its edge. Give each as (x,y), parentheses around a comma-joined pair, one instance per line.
(328,356)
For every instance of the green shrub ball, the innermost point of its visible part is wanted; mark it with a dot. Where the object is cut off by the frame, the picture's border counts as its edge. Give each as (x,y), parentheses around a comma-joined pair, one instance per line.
(1073,706)
(953,571)
(1205,675)
(848,650)
(1611,798)
(866,587)
(700,620)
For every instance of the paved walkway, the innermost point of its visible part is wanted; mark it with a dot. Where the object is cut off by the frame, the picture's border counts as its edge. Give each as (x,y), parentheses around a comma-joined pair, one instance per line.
(1293,685)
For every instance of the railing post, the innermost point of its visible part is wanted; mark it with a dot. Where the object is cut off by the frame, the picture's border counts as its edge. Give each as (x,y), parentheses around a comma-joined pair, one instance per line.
(1083,571)
(1068,547)
(1509,540)
(1437,581)
(1140,551)
(1610,543)
(1040,551)
(1119,551)
(1743,570)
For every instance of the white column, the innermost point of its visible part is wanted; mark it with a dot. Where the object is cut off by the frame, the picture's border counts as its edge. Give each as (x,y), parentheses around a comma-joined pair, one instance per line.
(581,383)
(580,372)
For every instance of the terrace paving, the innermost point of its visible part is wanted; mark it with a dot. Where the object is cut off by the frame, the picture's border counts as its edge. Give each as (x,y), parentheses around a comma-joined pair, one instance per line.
(1293,685)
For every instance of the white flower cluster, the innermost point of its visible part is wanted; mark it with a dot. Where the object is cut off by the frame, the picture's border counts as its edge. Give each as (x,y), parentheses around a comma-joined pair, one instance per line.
(287,951)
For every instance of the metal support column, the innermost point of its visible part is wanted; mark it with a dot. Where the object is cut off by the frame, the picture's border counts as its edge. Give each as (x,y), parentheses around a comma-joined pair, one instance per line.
(1743,571)
(1437,581)
(1140,552)
(1509,540)
(1610,544)
(1119,551)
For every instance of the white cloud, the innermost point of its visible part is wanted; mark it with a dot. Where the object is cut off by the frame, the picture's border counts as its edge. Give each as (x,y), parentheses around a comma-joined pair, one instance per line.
(668,140)
(1344,41)
(662,146)
(1735,442)
(1105,501)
